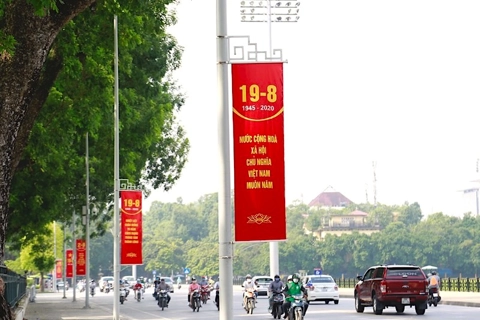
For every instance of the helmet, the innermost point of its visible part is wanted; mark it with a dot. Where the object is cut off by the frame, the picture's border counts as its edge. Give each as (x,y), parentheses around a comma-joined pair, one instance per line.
(277,276)
(92,280)
(290,277)
(434,272)
(296,277)
(194,279)
(138,281)
(157,278)
(248,276)
(429,275)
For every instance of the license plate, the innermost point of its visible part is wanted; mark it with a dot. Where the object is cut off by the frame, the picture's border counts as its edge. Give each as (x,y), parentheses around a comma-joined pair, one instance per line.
(405,300)
(435,295)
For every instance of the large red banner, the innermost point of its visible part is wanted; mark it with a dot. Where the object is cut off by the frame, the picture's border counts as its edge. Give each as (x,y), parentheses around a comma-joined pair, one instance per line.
(69,256)
(58,269)
(81,257)
(131,221)
(259,155)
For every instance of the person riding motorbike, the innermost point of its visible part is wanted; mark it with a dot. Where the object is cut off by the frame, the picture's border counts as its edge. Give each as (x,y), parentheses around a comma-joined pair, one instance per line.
(216,287)
(247,285)
(191,288)
(293,288)
(276,286)
(164,286)
(433,283)
(138,286)
(204,284)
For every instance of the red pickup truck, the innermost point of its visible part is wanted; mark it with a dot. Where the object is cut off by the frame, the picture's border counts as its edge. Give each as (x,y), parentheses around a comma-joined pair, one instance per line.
(392,286)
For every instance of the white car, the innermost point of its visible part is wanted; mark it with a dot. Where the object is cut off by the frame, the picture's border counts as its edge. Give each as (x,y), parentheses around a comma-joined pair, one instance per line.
(262,283)
(103,281)
(321,288)
(130,280)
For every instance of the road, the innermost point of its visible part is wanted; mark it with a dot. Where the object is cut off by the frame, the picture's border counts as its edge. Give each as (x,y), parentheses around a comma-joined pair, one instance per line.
(178,310)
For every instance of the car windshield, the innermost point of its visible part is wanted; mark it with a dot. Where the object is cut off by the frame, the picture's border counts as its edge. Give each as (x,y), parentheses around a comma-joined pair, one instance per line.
(108,279)
(263,280)
(321,280)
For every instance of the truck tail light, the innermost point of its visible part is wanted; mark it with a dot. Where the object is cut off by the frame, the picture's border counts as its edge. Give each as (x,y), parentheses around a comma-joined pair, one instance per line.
(383,286)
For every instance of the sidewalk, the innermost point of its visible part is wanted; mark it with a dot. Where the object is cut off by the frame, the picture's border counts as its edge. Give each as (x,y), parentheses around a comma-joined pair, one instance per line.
(52,306)
(465,299)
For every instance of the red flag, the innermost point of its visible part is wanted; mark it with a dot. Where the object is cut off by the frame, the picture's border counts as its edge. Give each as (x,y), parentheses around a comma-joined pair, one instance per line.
(131,222)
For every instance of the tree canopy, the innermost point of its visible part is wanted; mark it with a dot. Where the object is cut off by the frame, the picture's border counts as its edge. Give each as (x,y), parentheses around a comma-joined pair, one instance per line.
(66,93)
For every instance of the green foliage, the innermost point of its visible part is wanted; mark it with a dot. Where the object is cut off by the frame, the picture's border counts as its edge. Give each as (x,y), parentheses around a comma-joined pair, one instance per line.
(50,180)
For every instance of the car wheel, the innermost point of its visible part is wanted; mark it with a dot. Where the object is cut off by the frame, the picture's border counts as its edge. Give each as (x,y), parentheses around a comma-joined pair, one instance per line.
(358,305)
(327,301)
(419,311)
(336,301)
(400,309)
(377,307)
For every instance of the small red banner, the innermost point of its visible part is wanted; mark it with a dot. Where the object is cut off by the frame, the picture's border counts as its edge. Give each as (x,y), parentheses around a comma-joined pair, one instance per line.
(131,222)
(259,156)
(58,269)
(81,257)
(69,255)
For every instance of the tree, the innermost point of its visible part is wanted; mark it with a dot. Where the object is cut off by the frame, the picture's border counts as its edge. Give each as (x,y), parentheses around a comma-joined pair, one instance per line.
(58,65)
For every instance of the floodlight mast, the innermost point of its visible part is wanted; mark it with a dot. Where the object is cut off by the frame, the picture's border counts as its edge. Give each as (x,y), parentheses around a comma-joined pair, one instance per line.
(263,11)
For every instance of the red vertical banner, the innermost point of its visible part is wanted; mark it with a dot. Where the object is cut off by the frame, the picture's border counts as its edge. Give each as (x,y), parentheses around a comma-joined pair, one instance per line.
(131,224)
(81,257)
(58,269)
(69,255)
(259,154)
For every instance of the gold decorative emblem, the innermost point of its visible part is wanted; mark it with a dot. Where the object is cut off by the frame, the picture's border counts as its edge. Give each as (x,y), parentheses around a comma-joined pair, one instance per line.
(259,218)
(131,255)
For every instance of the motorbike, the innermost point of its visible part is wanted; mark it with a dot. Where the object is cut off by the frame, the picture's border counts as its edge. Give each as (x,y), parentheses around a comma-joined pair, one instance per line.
(138,295)
(195,301)
(204,294)
(249,301)
(81,286)
(277,305)
(433,297)
(108,287)
(92,290)
(162,299)
(296,309)
(123,295)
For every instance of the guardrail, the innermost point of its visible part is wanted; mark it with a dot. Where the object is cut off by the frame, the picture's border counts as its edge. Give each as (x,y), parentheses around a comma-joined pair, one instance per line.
(15,286)
(446,284)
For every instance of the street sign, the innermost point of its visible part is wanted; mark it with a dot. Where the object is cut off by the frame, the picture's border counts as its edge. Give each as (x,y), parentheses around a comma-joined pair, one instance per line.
(186,270)
(154,272)
(317,271)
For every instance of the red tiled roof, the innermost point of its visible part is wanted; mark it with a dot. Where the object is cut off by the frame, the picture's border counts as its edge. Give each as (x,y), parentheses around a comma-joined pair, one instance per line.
(330,199)
(358,213)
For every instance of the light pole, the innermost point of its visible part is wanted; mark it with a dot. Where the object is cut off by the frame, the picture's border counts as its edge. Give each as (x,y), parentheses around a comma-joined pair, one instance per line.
(116,182)
(270,11)
(87,225)
(224,192)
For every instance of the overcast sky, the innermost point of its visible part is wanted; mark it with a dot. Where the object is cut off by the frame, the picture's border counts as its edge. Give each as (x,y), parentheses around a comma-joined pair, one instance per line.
(395,83)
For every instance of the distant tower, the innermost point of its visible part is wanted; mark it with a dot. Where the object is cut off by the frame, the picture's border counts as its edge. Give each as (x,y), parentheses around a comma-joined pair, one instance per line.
(366,192)
(374,165)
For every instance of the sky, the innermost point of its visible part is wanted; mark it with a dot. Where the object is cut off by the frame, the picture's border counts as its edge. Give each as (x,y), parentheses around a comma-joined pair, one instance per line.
(384,88)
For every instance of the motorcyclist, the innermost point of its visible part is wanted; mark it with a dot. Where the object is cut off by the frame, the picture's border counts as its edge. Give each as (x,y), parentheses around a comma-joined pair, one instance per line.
(164,286)
(92,285)
(122,287)
(191,288)
(276,286)
(204,284)
(138,286)
(216,287)
(433,282)
(293,288)
(247,285)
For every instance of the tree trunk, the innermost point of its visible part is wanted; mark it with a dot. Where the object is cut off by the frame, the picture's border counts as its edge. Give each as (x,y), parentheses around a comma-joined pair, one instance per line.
(26,77)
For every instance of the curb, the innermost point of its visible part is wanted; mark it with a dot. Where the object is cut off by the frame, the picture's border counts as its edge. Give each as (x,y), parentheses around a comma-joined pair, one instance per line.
(450,303)
(21,309)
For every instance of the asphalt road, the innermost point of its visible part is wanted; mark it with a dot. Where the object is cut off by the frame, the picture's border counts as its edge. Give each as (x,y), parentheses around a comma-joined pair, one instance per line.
(51,306)
(178,309)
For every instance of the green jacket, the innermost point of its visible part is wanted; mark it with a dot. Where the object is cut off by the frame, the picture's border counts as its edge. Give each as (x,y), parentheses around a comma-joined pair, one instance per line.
(292,289)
